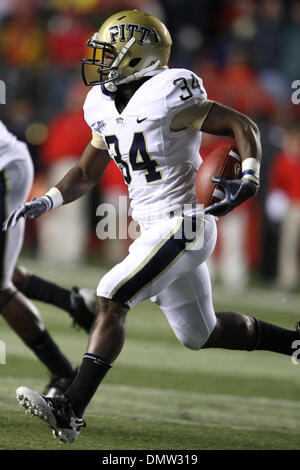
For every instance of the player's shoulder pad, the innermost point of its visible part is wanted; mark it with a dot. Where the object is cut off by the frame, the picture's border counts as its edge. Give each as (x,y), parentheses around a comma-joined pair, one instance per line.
(95,100)
(184,89)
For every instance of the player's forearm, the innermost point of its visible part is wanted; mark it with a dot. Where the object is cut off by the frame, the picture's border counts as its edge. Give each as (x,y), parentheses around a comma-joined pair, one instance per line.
(222,120)
(247,137)
(83,176)
(74,184)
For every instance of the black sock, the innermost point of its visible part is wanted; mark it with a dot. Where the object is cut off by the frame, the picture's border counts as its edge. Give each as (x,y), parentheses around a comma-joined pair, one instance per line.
(91,373)
(50,355)
(46,291)
(274,338)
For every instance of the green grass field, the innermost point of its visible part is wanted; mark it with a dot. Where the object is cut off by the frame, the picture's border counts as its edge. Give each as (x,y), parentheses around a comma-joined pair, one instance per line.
(159,395)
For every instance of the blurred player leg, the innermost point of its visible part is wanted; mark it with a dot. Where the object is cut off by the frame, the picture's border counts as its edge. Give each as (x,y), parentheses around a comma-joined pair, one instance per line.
(19,312)
(81,304)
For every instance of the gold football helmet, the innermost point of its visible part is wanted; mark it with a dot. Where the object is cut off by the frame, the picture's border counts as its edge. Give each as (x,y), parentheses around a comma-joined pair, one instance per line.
(129,45)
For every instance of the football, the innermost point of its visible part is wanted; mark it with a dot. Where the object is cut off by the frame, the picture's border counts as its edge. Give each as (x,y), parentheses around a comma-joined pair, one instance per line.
(224,162)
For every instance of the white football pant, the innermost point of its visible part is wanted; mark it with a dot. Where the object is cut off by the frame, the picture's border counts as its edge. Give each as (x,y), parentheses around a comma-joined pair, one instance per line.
(163,266)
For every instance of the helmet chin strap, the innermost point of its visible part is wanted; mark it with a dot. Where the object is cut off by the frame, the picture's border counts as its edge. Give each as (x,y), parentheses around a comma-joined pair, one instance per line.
(142,73)
(111,86)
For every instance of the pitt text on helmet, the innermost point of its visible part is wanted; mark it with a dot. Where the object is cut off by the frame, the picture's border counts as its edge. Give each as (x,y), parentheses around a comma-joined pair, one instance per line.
(126,32)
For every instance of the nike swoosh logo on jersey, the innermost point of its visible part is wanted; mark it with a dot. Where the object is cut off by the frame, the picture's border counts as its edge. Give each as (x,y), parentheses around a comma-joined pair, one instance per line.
(140,120)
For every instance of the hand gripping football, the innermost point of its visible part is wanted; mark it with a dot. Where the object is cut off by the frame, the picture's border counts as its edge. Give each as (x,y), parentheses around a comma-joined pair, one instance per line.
(224,162)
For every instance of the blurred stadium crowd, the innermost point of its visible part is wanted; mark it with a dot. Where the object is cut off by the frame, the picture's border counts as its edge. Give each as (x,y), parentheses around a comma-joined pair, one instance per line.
(246,52)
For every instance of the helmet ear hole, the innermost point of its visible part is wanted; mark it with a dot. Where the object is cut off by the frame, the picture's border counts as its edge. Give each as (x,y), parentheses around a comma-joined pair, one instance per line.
(134,62)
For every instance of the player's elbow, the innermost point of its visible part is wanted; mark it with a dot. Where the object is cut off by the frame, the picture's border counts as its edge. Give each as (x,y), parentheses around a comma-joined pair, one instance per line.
(243,124)
(253,127)
(247,132)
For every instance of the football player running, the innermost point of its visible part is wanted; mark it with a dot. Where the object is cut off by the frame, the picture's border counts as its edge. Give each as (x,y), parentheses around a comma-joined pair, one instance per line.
(17,285)
(149,119)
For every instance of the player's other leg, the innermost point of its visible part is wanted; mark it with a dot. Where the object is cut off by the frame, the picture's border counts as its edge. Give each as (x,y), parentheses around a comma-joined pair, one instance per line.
(187,304)
(238,331)
(23,317)
(81,304)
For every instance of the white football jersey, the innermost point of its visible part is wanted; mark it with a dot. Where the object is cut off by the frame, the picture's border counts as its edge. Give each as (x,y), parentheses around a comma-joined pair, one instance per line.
(10,148)
(159,165)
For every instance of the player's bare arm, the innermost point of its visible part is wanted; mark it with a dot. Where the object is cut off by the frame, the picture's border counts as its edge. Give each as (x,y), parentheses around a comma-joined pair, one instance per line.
(84,175)
(215,118)
(222,120)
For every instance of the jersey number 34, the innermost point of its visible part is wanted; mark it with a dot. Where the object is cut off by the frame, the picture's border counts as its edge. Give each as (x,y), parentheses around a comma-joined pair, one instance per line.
(139,158)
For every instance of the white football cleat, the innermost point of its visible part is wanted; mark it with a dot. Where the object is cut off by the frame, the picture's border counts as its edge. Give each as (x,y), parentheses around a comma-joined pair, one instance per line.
(56,412)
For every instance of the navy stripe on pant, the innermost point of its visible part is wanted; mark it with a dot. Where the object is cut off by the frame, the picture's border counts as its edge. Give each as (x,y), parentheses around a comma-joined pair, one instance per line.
(156,265)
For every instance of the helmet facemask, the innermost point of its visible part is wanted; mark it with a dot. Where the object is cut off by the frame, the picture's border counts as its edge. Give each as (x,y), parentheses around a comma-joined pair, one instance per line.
(100,65)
